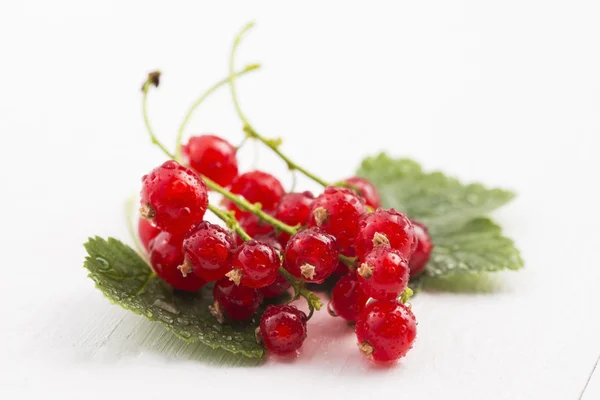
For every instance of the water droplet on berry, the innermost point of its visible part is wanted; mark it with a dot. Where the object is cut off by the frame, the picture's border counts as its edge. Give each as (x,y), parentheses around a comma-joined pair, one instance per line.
(184,212)
(104,264)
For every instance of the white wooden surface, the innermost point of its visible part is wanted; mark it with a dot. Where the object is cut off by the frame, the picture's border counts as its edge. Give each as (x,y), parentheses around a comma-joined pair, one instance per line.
(506,93)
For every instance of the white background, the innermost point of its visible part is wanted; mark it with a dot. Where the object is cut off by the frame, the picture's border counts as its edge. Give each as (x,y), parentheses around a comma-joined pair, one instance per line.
(507,93)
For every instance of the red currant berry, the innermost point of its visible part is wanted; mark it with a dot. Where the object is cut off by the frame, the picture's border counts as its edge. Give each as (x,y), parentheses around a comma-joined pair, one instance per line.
(311,254)
(270,240)
(234,301)
(293,209)
(420,257)
(173,198)
(383,274)
(255,265)
(281,285)
(277,288)
(256,187)
(385,330)
(254,226)
(166,255)
(337,211)
(347,298)
(208,251)
(213,157)
(367,190)
(385,227)
(146,232)
(283,328)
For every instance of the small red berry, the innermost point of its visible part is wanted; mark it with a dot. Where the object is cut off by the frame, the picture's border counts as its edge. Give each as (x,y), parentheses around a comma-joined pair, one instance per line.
(420,257)
(385,227)
(255,264)
(256,187)
(254,226)
(337,211)
(283,328)
(281,285)
(383,274)
(277,288)
(146,232)
(212,157)
(293,209)
(347,298)
(367,190)
(311,254)
(234,301)
(173,198)
(166,255)
(385,330)
(208,251)
(270,240)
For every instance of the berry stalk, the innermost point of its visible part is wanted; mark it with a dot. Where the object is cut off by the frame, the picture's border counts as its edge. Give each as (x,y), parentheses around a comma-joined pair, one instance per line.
(152,80)
(200,100)
(299,290)
(273,144)
(247,206)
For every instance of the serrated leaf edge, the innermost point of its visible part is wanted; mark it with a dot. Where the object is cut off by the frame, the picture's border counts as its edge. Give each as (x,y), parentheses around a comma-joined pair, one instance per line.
(250,354)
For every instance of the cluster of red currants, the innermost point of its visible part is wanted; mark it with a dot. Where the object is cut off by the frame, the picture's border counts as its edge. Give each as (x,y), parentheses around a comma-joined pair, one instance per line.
(342,232)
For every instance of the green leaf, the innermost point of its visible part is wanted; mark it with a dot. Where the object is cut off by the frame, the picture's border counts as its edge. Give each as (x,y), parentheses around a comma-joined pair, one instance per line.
(125,279)
(475,247)
(465,242)
(433,198)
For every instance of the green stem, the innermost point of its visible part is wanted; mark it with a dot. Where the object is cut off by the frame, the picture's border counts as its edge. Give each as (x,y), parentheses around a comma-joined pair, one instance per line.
(201,99)
(152,80)
(247,206)
(297,284)
(230,220)
(248,129)
(349,261)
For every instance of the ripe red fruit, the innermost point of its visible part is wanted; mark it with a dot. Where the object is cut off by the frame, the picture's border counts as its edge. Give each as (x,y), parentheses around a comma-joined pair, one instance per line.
(311,254)
(293,209)
(283,328)
(146,232)
(277,288)
(420,257)
(270,240)
(347,298)
(173,198)
(256,187)
(383,273)
(367,190)
(385,330)
(208,250)
(166,255)
(337,211)
(212,157)
(233,301)
(254,226)
(255,264)
(385,227)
